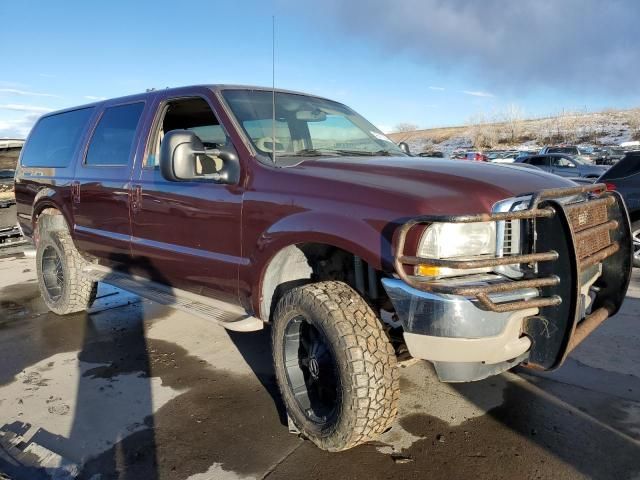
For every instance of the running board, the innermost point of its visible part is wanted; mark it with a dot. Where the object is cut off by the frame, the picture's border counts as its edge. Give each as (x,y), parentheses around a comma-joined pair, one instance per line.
(231,317)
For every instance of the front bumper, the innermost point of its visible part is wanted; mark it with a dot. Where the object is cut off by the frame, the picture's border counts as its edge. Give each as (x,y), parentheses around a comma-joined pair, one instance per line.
(464,342)
(576,277)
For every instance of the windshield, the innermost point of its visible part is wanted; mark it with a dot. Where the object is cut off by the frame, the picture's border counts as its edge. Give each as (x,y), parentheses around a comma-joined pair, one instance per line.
(305,126)
(569,150)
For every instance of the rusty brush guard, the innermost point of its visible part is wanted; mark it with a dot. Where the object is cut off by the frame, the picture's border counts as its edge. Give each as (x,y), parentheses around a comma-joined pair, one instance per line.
(567,243)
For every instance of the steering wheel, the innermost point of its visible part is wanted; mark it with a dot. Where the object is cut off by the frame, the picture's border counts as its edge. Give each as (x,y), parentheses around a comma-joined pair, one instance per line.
(266,145)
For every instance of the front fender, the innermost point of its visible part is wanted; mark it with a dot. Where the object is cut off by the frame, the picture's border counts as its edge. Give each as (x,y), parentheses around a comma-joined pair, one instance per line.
(354,235)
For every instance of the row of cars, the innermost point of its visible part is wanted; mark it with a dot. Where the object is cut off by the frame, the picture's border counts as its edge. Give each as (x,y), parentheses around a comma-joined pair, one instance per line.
(616,166)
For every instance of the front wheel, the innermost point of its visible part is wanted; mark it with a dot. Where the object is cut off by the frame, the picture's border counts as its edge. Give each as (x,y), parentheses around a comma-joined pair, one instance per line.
(335,366)
(635,234)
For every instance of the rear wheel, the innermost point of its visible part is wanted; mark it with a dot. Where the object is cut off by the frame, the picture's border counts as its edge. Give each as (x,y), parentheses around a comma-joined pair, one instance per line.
(335,366)
(62,284)
(635,234)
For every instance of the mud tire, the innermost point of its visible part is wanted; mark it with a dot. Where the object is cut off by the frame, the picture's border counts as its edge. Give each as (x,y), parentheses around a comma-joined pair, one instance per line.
(365,364)
(77,292)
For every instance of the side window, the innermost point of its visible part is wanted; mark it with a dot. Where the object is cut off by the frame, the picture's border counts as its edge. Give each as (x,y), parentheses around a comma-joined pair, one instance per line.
(55,139)
(562,162)
(113,138)
(193,114)
(538,161)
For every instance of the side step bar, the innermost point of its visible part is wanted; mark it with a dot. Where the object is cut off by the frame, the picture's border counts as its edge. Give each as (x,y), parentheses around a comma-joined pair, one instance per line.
(231,317)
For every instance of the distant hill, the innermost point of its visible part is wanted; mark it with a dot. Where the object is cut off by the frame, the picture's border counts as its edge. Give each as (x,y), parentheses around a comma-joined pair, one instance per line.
(610,127)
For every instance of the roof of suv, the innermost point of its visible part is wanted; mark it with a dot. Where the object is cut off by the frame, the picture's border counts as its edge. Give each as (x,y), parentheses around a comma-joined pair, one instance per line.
(180,91)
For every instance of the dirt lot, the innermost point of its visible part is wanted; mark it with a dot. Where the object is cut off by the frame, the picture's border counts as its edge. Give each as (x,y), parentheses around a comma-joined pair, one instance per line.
(139,391)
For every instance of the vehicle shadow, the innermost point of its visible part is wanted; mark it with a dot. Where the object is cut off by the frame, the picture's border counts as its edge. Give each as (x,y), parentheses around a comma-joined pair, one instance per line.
(255,348)
(121,361)
(585,416)
(112,432)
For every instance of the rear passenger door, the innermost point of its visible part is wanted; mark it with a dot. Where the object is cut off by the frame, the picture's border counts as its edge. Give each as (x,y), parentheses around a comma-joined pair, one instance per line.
(101,192)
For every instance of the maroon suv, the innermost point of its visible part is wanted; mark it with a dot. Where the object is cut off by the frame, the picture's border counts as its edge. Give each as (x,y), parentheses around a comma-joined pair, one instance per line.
(305,216)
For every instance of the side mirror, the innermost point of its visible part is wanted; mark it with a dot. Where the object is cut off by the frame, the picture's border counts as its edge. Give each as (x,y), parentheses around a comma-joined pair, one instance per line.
(404,146)
(184,158)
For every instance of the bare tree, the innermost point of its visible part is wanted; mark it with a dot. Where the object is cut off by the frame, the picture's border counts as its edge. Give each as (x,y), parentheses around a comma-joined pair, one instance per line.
(482,132)
(633,121)
(512,118)
(405,127)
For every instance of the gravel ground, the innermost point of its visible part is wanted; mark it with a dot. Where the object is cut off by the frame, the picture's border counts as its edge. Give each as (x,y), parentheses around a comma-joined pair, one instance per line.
(139,391)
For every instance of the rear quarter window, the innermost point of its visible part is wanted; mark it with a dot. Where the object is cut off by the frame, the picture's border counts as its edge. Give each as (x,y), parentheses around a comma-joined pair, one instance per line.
(55,138)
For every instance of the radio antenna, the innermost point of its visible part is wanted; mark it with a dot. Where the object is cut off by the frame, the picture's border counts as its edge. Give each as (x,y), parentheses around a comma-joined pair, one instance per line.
(273,89)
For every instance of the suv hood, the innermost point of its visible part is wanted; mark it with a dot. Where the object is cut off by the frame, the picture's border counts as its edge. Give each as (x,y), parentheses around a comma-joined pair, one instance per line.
(432,186)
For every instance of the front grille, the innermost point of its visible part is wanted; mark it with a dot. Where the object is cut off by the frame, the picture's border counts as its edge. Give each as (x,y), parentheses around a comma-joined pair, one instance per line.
(590,223)
(587,214)
(586,247)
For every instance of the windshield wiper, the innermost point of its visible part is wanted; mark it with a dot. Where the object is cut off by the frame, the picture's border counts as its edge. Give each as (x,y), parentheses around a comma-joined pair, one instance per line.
(319,152)
(311,152)
(364,153)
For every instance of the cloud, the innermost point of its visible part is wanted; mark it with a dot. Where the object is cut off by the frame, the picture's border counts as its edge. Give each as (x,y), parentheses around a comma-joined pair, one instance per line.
(18,127)
(477,93)
(577,45)
(94,98)
(439,89)
(24,108)
(15,91)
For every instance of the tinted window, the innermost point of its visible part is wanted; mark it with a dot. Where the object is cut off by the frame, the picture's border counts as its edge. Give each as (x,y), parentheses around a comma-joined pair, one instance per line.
(55,139)
(629,165)
(538,161)
(112,140)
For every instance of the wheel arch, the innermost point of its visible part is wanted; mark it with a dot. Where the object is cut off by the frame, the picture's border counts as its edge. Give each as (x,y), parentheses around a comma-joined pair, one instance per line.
(306,262)
(286,252)
(46,203)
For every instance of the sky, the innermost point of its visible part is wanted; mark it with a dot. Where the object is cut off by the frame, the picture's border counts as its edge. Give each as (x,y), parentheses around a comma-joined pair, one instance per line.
(424,62)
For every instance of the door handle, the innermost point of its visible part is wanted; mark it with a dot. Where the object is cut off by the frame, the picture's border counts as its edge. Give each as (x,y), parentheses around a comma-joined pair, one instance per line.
(75,191)
(136,201)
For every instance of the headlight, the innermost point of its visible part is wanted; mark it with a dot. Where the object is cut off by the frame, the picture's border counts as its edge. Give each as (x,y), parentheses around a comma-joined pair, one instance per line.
(457,241)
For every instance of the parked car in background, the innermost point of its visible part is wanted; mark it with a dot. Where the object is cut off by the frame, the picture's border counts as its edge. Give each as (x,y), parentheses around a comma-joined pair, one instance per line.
(476,157)
(6,188)
(624,177)
(6,175)
(564,165)
(9,231)
(611,154)
(574,150)
(432,153)
(502,156)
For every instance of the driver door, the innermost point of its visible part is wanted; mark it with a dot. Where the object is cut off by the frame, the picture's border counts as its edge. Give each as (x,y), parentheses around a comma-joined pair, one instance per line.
(186,234)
